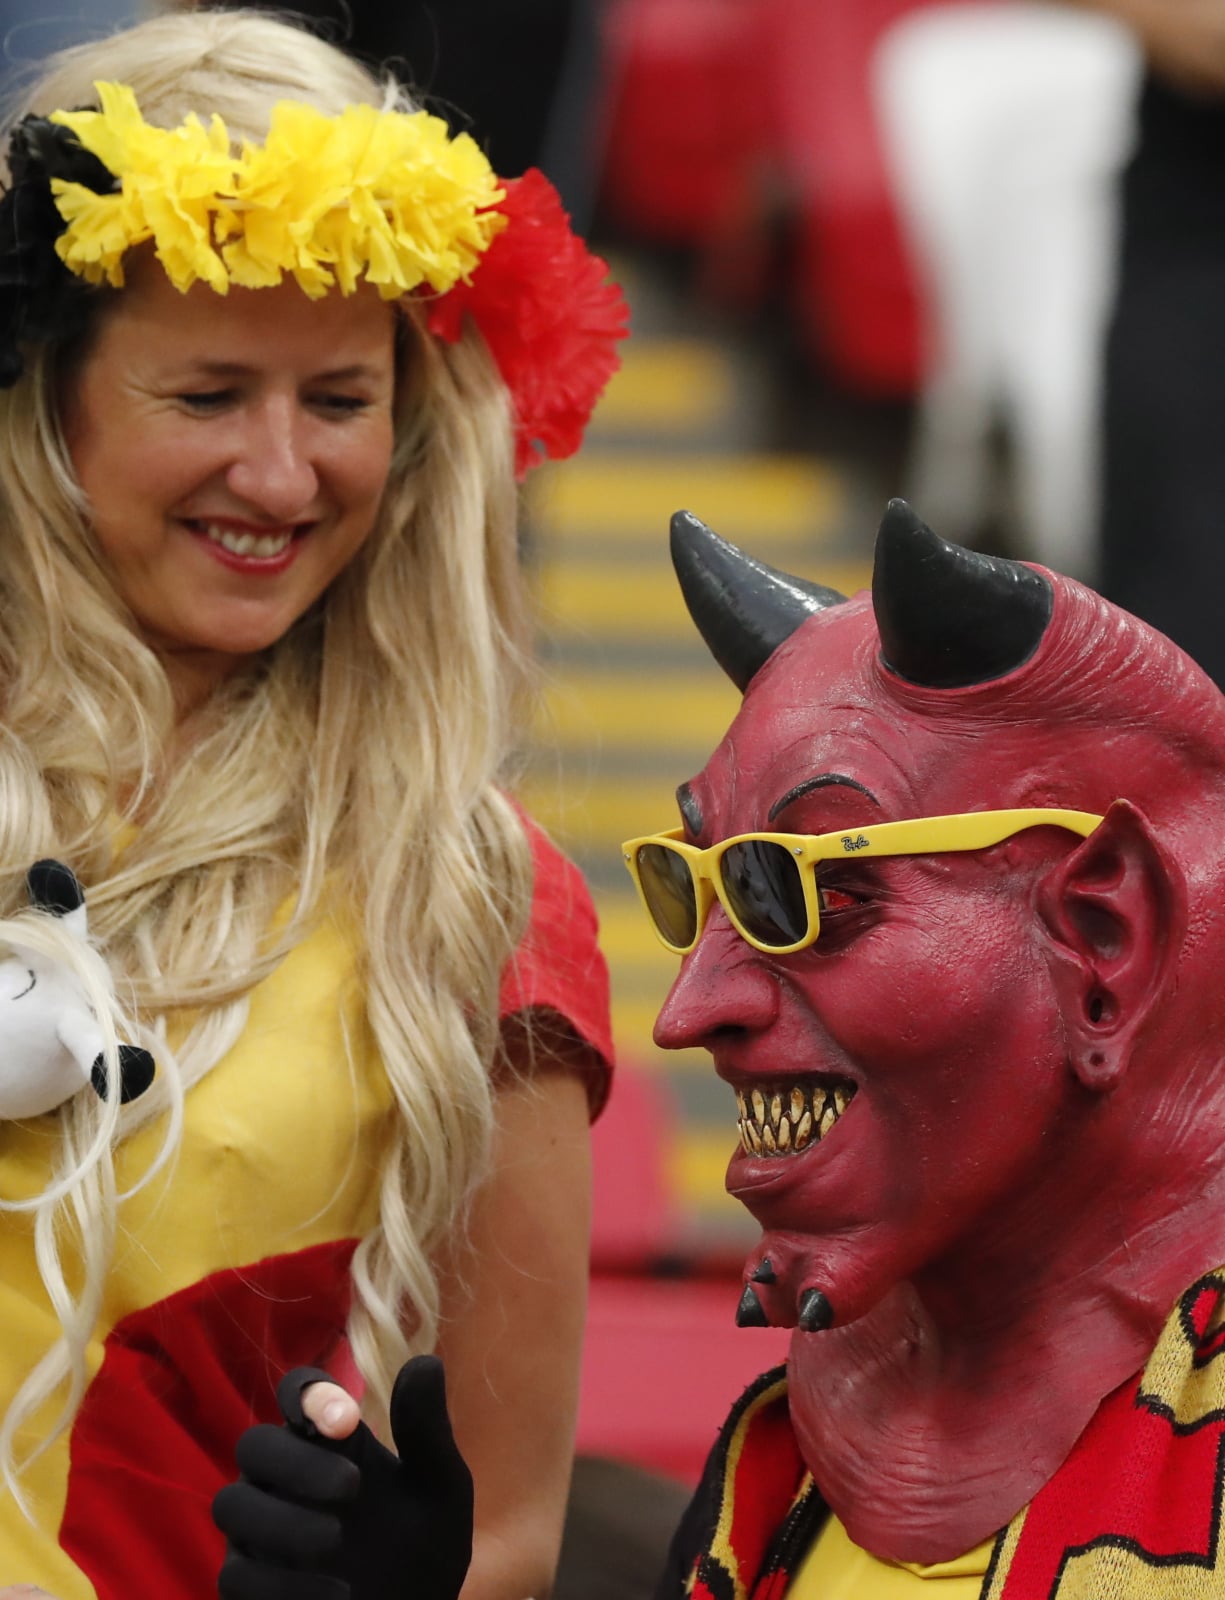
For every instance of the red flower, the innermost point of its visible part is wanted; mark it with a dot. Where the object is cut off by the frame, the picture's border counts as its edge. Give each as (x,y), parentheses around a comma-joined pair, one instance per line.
(550,316)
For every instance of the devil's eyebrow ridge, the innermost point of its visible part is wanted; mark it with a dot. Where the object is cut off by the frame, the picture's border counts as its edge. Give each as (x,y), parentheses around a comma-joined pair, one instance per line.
(821,781)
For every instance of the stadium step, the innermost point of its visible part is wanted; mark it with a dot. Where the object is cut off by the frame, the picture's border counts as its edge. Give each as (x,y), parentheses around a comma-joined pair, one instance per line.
(633,702)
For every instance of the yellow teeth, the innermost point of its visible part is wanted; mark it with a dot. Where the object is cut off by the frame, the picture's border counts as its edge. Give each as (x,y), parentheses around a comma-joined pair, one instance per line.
(785,1120)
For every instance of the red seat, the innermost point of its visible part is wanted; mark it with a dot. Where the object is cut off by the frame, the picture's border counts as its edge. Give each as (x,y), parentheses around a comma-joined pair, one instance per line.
(662,1364)
(633,1222)
(663,1359)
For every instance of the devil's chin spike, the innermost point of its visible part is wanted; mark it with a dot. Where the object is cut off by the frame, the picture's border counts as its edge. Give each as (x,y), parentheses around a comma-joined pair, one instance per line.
(750,1313)
(765,1272)
(816,1313)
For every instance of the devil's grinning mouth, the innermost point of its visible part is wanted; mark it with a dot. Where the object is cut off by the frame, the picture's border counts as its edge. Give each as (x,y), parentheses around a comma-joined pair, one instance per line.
(783,1119)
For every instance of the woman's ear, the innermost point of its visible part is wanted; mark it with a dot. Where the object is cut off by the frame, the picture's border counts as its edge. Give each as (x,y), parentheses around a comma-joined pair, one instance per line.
(1113,907)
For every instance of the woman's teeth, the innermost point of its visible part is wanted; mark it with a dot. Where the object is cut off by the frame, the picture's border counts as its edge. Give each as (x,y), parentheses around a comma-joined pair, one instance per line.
(783,1119)
(246,544)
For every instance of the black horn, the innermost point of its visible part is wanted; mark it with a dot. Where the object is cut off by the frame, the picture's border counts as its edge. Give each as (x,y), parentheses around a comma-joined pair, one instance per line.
(949,617)
(743,608)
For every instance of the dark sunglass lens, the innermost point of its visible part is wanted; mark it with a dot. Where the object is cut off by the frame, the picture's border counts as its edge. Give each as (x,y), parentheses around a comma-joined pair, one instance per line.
(667,887)
(764,888)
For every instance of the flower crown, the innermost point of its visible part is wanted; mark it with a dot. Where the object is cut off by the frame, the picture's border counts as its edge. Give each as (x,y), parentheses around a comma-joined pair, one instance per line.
(387,196)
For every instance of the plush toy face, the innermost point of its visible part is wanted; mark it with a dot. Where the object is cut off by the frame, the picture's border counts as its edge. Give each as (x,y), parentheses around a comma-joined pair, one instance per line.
(925,1007)
(40,1070)
(50,1041)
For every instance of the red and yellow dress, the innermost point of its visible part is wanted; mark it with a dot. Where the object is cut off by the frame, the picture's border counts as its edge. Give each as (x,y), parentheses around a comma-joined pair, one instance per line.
(232,1266)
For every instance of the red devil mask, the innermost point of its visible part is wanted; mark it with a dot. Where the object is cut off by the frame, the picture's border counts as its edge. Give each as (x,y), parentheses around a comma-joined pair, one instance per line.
(979,1111)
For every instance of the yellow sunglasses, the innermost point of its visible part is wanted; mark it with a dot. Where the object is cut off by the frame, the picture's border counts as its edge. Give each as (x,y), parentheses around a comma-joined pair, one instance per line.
(760,879)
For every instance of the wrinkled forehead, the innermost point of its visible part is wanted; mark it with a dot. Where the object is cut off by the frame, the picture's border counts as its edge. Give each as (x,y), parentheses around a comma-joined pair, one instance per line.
(810,714)
(819,722)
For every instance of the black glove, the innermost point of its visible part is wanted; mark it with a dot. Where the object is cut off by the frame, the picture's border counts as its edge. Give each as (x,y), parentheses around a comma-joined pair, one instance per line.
(344,1519)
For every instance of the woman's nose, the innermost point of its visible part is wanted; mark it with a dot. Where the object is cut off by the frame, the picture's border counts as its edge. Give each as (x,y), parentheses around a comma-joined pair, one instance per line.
(273,470)
(723,983)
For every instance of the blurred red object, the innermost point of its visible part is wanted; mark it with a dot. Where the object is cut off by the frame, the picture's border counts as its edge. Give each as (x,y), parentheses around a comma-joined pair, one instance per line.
(854,289)
(663,1359)
(720,110)
(688,130)
(662,1364)
(634,1222)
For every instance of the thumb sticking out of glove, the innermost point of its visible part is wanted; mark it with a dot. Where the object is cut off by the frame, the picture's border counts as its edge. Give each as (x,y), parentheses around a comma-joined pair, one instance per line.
(400,1525)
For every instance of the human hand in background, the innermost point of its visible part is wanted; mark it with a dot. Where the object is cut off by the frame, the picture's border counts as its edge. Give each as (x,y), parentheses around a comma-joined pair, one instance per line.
(323,1511)
(1184,40)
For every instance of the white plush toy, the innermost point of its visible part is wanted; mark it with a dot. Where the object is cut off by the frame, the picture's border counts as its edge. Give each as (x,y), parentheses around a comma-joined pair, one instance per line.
(51,1042)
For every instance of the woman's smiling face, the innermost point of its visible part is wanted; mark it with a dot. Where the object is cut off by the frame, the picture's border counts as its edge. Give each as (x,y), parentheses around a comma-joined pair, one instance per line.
(234,451)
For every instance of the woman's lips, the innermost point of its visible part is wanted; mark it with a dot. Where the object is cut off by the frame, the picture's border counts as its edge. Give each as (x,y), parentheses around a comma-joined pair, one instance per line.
(247,548)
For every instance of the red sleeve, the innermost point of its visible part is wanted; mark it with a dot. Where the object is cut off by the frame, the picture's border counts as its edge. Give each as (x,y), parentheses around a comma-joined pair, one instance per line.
(558,964)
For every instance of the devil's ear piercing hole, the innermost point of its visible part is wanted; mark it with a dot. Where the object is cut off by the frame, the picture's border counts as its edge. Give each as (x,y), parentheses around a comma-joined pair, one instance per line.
(1097,1008)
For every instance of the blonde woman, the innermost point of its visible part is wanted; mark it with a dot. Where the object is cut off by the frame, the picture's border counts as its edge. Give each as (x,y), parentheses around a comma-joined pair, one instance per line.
(267,340)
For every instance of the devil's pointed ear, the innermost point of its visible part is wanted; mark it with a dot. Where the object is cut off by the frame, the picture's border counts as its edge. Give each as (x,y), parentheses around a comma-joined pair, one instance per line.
(743,608)
(1115,906)
(949,617)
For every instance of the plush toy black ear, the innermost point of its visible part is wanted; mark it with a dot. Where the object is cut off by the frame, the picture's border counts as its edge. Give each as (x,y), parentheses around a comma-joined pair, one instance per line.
(136,1071)
(53,887)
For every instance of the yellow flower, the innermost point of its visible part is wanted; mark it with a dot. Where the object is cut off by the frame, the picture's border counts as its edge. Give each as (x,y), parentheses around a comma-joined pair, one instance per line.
(387,195)
(169,180)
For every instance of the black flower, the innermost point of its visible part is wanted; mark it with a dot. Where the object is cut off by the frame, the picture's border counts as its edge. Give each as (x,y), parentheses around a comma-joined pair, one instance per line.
(40,299)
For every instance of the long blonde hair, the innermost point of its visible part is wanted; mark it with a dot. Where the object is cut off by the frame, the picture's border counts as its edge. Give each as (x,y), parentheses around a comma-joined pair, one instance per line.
(384,718)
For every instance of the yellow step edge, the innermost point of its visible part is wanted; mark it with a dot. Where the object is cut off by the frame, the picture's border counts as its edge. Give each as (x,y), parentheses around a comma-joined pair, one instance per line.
(697,1168)
(632,1025)
(591,817)
(669,386)
(626,938)
(607,600)
(634,1009)
(632,495)
(685,712)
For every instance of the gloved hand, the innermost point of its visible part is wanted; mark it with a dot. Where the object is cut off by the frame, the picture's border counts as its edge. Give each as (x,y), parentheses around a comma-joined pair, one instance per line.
(344,1519)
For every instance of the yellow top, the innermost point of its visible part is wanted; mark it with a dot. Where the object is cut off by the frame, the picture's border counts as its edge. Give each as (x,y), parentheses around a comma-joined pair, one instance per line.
(837,1569)
(279,1155)
(232,1266)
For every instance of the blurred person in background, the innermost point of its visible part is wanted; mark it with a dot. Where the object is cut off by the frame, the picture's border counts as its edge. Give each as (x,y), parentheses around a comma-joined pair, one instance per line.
(1005,126)
(520,75)
(1163,523)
